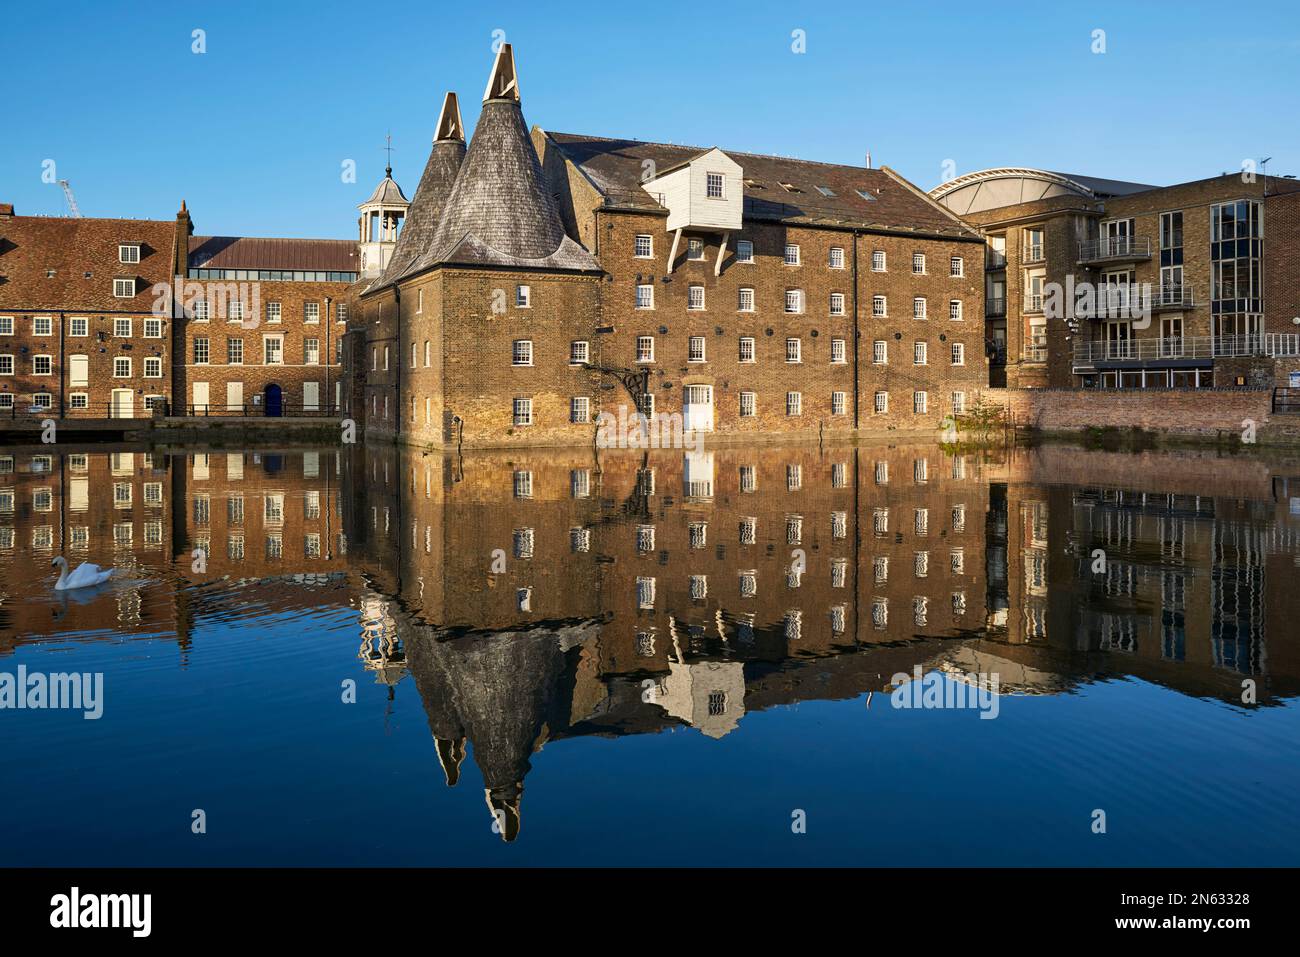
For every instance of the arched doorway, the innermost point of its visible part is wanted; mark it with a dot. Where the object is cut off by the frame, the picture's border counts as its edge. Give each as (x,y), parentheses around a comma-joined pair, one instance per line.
(273,400)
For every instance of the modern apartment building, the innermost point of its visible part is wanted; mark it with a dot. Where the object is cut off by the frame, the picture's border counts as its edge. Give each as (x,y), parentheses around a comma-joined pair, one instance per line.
(1101,283)
(542,280)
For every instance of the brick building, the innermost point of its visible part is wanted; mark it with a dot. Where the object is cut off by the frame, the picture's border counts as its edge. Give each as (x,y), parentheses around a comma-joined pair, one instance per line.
(1101,283)
(542,280)
(268,336)
(79,333)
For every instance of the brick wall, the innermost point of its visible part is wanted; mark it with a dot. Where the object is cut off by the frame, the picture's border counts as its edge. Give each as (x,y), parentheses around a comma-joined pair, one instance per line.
(1203,412)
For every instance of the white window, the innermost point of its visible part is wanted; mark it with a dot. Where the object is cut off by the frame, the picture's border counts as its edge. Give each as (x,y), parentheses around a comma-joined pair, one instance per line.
(920,402)
(522,352)
(272,312)
(201,351)
(794,403)
(713,185)
(523,297)
(646,405)
(121,368)
(127,253)
(645,296)
(747,349)
(744,251)
(956,267)
(6,400)
(918,264)
(79,400)
(122,328)
(645,593)
(878,260)
(645,349)
(838,351)
(839,402)
(794,300)
(523,411)
(958,354)
(419,300)
(580,409)
(311,312)
(644,246)
(745,302)
(42,365)
(958,403)
(427,352)
(919,354)
(748,404)
(954,309)
(235,352)
(880,352)
(837,257)
(123,288)
(77,327)
(385,357)
(579,352)
(311,352)
(153,329)
(273,351)
(153,367)
(523,484)
(42,326)
(882,403)
(695,297)
(7,325)
(918,307)
(234,311)
(42,400)
(695,249)
(695,349)
(879,305)
(837,304)
(415,354)
(794,350)
(792,254)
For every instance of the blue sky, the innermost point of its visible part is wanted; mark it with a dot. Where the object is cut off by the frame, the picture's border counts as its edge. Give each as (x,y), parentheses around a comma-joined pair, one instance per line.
(253,132)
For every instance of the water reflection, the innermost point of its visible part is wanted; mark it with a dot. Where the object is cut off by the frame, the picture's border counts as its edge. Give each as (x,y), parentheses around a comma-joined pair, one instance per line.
(535,596)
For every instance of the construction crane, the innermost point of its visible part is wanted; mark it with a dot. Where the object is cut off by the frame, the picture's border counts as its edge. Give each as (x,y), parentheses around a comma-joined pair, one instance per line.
(72,200)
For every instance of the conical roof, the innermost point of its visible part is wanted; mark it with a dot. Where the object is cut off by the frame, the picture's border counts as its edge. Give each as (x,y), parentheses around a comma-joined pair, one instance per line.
(499,212)
(440,172)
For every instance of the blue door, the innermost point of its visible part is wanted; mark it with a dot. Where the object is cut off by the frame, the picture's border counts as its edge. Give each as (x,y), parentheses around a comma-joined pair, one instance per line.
(273,401)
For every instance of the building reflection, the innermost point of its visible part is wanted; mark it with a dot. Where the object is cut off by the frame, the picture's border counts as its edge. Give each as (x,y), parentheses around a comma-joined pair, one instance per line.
(539,595)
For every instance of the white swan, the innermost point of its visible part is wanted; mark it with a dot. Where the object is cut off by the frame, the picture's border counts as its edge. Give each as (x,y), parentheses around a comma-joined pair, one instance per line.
(83,577)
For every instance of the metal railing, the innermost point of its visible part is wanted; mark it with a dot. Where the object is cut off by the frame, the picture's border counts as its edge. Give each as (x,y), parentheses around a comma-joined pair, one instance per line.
(1034,302)
(1277,345)
(111,410)
(91,410)
(633,199)
(1033,253)
(995,307)
(1115,247)
(1034,352)
(994,260)
(1123,302)
(287,409)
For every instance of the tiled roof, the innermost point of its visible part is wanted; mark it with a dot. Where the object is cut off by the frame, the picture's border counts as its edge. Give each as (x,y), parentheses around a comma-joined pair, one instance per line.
(615,167)
(431,195)
(73,248)
(499,212)
(252,252)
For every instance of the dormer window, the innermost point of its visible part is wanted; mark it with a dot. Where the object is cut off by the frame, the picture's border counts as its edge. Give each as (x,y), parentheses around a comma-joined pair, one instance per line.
(791,188)
(865,195)
(124,288)
(826,191)
(128,253)
(713,185)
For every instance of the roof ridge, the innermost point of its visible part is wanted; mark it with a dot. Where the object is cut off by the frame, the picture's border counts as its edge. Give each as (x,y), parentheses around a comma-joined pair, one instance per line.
(729,152)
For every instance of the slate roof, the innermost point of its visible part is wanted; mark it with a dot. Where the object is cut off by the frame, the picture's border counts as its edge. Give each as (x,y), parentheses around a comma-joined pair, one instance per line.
(416,237)
(72,247)
(255,252)
(499,212)
(614,166)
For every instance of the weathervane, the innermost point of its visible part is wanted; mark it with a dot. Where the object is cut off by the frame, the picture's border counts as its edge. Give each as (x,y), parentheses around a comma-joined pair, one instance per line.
(388,170)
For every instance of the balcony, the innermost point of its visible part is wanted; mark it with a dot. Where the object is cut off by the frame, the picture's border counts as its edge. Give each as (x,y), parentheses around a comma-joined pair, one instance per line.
(994,308)
(1276,345)
(1171,298)
(1033,302)
(1032,253)
(1115,249)
(995,260)
(1132,302)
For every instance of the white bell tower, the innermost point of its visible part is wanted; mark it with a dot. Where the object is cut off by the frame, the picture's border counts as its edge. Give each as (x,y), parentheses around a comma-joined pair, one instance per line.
(380,222)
